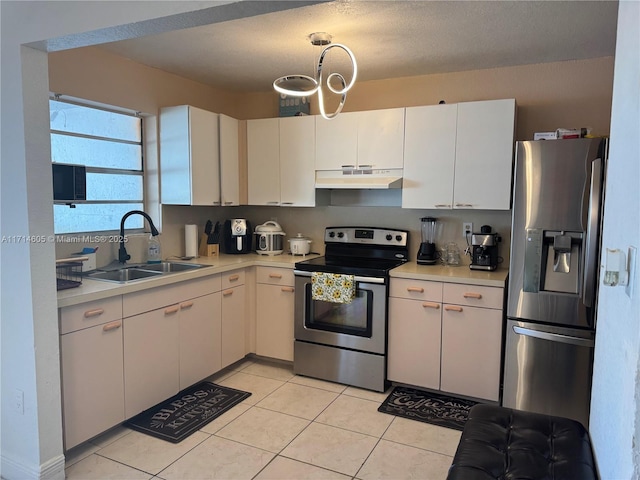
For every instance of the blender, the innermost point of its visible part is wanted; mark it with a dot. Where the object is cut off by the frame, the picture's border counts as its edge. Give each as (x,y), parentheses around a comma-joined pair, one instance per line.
(427,254)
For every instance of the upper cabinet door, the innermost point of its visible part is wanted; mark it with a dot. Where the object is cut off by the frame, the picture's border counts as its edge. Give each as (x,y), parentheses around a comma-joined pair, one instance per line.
(484,154)
(263,161)
(337,141)
(189,156)
(297,161)
(381,138)
(229,161)
(429,156)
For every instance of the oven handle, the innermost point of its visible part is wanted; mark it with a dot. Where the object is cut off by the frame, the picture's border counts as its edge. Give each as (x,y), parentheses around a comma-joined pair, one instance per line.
(300,273)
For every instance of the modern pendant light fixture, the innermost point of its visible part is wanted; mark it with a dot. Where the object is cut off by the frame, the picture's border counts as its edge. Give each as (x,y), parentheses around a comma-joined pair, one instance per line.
(304,85)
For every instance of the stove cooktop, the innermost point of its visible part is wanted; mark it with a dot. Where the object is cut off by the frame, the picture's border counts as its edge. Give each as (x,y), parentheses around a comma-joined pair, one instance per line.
(363,251)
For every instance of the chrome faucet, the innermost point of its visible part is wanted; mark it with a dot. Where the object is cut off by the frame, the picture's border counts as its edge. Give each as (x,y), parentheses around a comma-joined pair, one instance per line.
(123,256)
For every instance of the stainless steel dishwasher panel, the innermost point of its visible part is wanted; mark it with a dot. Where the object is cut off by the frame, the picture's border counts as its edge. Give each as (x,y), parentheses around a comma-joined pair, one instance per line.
(548,369)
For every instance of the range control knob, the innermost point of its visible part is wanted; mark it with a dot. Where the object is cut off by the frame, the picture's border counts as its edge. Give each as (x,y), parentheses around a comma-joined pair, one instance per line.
(389,237)
(332,234)
(399,238)
(340,234)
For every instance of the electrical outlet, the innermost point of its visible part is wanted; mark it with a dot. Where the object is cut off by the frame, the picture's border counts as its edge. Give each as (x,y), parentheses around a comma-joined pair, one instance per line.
(18,400)
(467,229)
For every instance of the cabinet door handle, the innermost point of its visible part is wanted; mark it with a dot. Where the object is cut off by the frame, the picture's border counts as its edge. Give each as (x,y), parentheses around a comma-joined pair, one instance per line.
(233,278)
(275,275)
(226,293)
(273,203)
(93,313)
(431,305)
(287,203)
(171,310)
(216,202)
(453,308)
(112,326)
(287,289)
(464,205)
(415,289)
(473,295)
(228,203)
(442,205)
(184,305)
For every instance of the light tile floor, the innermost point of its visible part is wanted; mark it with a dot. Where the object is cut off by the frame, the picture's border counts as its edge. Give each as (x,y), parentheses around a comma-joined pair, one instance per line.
(291,427)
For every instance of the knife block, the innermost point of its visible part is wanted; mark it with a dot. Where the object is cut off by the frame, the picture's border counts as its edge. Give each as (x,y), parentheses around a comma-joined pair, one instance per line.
(207,249)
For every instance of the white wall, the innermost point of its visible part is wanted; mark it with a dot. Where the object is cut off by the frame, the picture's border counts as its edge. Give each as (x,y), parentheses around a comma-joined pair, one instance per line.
(615,402)
(31,442)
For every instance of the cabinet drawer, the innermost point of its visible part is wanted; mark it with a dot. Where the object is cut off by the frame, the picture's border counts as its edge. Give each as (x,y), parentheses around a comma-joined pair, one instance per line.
(90,314)
(473,295)
(415,289)
(275,276)
(153,298)
(232,279)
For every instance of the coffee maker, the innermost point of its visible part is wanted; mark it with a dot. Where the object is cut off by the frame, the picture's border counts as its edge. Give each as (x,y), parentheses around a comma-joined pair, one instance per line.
(484,249)
(428,254)
(236,236)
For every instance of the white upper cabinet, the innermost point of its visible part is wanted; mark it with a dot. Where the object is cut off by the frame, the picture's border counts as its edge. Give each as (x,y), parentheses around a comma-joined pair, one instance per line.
(229,161)
(189,156)
(484,154)
(263,161)
(381,139)
(459,156)
(297,161)
(337,141)
(370,139)
(429,156)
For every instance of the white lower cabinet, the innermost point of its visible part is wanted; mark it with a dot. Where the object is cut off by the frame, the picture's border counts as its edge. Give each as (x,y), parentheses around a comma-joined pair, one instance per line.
(274,313)
(200,338)
(151,358)
(172,338)
(446,336)
(414,342)
(472,340)
(92,369)
(233,345)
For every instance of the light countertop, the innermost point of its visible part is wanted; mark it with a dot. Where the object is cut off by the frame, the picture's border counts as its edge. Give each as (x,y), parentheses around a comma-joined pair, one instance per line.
(461,274)
(97,289)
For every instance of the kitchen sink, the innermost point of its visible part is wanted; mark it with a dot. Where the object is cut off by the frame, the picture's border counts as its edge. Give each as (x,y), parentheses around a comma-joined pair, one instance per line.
(169,267)
(143,272)
(123,275)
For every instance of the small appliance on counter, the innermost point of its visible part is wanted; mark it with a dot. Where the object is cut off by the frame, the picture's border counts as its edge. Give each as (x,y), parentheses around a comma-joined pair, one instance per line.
(484,249)
(428,254)
(300,245)
(269,238)
(237,236)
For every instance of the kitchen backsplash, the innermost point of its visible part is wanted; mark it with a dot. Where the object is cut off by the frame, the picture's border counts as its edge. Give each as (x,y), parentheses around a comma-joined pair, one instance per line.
(312,221)
(309,221)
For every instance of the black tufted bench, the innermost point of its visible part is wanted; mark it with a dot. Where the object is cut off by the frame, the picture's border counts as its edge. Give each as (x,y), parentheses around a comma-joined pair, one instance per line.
(506,444)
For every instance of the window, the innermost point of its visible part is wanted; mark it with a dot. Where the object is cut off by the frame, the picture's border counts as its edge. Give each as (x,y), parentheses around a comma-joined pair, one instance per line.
(109,144)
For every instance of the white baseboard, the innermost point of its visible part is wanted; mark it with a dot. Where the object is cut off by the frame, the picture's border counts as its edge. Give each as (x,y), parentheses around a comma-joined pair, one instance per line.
(52,469)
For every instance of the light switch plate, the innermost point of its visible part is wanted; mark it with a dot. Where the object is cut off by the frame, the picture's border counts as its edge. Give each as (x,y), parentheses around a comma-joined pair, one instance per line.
(631,268)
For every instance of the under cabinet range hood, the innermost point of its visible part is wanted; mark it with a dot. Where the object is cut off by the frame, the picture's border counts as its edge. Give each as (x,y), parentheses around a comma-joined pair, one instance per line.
(361,179)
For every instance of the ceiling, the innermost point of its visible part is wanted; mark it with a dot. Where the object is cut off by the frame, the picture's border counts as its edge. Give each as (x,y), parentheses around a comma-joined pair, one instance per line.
(388,38)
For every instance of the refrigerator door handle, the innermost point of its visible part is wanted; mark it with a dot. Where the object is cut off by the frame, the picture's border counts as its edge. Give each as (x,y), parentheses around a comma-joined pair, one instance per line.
(589,280)
(554,337)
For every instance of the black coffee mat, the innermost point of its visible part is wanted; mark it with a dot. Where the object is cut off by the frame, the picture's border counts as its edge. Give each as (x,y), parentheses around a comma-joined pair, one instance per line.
(428,407)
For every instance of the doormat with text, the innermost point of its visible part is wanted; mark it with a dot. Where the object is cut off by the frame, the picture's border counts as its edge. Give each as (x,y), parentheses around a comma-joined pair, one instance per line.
(441,410)
(178,417)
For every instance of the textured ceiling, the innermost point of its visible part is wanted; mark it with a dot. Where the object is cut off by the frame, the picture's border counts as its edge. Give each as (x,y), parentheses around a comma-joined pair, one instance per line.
(388,38)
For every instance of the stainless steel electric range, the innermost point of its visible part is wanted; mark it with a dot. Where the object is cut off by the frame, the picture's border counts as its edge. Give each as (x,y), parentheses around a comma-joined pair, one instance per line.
(347,342)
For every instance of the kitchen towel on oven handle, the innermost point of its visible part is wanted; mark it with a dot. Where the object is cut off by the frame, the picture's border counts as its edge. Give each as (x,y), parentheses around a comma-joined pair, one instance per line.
(333,287)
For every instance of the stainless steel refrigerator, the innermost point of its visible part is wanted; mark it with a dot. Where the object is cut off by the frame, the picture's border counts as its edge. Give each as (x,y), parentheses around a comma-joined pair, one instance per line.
(553,276)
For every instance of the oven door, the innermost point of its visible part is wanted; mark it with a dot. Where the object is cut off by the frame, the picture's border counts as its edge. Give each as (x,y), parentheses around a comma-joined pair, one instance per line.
(359,325)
